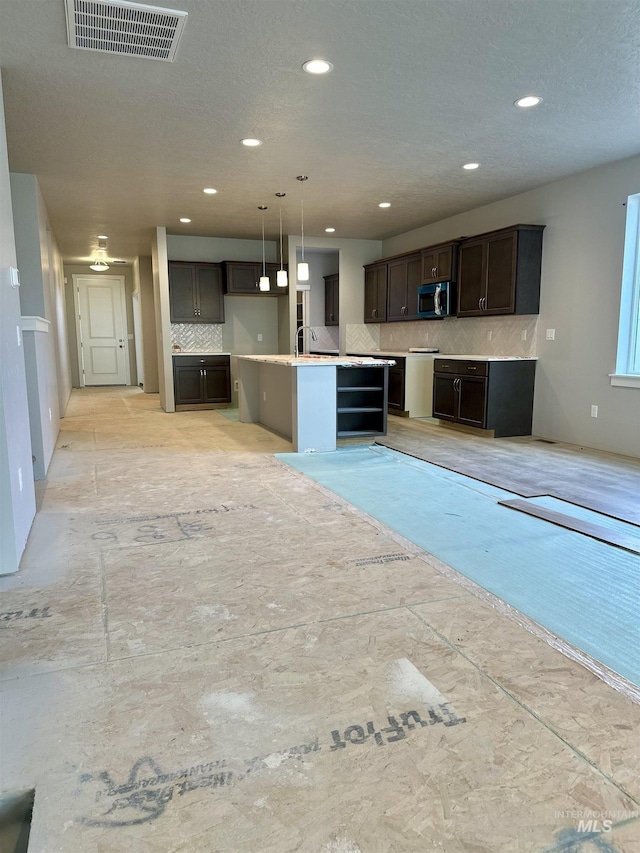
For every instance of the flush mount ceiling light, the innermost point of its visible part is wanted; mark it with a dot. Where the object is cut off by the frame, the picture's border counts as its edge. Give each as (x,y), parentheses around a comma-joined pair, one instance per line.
(329,230)
(528,101)
(385,204)
(303,268)
(251,143)
(209,191)
(317,66)
(184,219)
(282,279)
(471,166)
(99,265)
(264,278)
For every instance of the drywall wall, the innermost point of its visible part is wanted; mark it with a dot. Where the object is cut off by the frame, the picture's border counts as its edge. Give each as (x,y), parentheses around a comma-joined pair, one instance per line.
(83,269)
(45,334)
(214,250)
(354,254)
(17,491)
(583,243)
(40,364)
(246,317)
(320,264)
(147,314)
(160,270)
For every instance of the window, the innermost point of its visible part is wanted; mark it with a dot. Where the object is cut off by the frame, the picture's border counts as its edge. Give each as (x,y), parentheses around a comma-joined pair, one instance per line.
(628,360)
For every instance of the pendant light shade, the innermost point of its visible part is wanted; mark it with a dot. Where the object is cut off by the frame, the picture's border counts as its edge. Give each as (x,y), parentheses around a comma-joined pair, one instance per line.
(264,283)
(99,266)
(303,268)
(282,279)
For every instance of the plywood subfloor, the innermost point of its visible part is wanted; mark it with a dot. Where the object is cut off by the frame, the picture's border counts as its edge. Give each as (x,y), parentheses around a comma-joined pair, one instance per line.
(205,651)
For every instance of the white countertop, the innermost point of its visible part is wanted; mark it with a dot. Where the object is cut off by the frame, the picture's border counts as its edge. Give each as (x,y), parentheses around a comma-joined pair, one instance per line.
(486,357)
(399,354)
(311,360)
(199,352)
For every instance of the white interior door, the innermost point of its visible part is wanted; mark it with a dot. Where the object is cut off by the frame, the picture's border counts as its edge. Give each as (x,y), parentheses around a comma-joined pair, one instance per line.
(102,329)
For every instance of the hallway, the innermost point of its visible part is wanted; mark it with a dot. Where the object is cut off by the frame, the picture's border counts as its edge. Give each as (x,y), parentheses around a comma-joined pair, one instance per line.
(204,650)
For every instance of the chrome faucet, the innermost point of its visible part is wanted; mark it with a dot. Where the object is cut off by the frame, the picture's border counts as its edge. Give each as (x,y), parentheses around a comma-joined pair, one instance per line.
(314,337)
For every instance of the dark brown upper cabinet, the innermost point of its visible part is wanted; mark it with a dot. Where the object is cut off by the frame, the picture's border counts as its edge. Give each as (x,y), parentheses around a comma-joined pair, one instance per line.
(499,272)
(439,263)
(375,293)
(331,300)
(195,293)
(403,281)
(243,277)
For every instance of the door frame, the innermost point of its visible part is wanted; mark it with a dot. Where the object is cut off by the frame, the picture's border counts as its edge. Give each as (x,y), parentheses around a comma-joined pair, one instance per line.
(76,309)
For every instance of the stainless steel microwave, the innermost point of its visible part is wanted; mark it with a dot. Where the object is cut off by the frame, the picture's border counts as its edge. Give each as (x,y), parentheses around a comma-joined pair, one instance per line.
(436,300)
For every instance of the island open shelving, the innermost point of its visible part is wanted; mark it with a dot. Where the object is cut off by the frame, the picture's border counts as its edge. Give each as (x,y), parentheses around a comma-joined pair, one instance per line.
(361,401)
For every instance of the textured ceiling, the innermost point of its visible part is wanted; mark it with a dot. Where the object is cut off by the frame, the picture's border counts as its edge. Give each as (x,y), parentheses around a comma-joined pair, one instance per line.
(419,87)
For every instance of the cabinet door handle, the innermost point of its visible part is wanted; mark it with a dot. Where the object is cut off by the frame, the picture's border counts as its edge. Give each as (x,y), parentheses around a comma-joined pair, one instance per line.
(471,368)
(484,303)
(374,313)
(435,271)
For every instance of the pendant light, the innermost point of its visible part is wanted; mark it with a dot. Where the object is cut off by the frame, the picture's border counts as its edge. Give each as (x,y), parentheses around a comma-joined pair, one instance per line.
(264,278)
(303,269)
(282,280)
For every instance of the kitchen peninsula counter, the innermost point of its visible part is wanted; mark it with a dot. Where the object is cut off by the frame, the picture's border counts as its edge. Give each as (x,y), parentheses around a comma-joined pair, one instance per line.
(314,399)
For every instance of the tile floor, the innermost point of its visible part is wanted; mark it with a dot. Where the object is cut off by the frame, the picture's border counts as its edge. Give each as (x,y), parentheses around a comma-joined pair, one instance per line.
(205,651)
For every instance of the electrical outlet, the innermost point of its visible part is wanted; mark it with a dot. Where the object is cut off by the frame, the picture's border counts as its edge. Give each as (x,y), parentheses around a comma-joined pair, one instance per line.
(18,336)
(489,335)
(523,335)
(264,396)
(236,384)
(259,337)
(20,478)
(49,413)
(594,411)
(551,334)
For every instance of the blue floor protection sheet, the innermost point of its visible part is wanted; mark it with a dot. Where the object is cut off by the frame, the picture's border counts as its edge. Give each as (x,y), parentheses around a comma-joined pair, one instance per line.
(584,591)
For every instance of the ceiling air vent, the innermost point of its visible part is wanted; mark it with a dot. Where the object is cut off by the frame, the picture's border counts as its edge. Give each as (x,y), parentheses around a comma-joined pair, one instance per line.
(130,29)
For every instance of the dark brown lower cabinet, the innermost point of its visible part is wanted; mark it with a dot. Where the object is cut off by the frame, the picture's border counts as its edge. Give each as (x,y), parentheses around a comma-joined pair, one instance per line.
(201,379)
(397,385)
(492,395)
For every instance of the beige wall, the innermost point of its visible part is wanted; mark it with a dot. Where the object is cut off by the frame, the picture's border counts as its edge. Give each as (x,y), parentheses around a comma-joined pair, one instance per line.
(147,313)
(83,269)
(583,243)
(17,499)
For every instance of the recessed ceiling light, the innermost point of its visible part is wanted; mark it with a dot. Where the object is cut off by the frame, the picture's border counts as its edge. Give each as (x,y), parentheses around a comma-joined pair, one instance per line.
(317,66)
(385,204)
(209,191)
(470,166)
(102,237)
(329,230)
(184,219)
(251,143)
(528,101)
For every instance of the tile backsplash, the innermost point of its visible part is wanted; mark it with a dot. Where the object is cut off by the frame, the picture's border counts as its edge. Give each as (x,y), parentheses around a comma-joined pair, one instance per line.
(328,338)
(468,336)
(363,337)
(198,337)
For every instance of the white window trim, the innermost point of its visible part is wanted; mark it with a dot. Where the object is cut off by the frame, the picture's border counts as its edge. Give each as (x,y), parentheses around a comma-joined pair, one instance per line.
(627,373)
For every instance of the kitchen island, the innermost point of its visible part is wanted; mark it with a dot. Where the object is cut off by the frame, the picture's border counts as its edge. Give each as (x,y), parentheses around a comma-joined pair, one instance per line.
(314,399)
